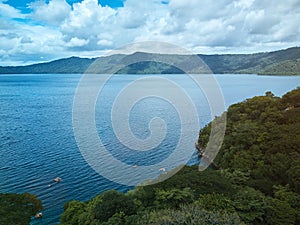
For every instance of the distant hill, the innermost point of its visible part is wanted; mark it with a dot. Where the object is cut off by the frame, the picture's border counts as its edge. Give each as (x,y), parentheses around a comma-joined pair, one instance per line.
(69,65)
(282,62)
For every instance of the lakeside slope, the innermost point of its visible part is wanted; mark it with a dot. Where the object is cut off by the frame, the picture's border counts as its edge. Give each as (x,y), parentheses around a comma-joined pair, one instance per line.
(256,180)
(282,62)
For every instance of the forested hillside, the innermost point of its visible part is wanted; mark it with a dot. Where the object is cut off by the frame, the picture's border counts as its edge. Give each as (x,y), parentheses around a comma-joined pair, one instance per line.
(283,62)
(256,179)
(18,209)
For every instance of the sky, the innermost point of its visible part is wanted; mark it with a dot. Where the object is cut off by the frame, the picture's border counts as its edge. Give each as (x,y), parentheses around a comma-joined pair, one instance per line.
(33,31)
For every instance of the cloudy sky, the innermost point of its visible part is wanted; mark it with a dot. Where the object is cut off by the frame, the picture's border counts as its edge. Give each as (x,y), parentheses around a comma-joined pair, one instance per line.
(42,30)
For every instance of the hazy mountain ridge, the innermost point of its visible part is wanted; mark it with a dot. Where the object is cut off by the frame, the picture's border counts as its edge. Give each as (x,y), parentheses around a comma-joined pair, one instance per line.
(282,62)
(259,63)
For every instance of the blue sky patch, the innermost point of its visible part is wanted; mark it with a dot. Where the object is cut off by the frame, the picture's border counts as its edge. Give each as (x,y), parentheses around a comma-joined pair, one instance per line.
(22,5)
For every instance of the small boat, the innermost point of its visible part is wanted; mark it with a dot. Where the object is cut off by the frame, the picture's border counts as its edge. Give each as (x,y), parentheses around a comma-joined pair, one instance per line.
(57,179)
(38,215)
(134,166)
(162,169)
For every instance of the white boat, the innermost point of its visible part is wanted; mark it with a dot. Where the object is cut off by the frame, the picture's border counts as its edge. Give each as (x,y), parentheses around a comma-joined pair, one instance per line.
(57,179)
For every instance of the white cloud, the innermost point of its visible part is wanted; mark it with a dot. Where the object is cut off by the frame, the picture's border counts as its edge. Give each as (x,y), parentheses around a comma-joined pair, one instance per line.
(7,11)
(130,18)
(77,42)
(87,28)
(106,43)
(244,4)
(52,13)
(88,15)
(91,22)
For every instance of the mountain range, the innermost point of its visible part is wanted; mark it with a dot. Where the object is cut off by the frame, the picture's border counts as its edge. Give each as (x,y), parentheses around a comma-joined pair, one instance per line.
(282,62)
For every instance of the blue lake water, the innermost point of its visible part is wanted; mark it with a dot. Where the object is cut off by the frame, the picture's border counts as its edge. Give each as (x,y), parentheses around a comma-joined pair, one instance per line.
(37,141)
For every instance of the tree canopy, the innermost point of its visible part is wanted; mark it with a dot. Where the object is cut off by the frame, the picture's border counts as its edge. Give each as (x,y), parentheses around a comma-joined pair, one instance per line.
(18,209)
(256,180)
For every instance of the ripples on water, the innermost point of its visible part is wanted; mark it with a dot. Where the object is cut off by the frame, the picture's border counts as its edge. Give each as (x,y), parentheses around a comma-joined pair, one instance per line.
(37,142)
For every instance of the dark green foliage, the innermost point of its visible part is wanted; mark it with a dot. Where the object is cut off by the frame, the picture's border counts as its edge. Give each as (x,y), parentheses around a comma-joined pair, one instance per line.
(292,99)
(173,198)
(112,202)
(166,199)
(188,215)
(150,68)
(250,205)
(17,209)
(75,210)
(208,181)
(257,180)
(263,139)
(292,198)
(279,212)
(215,202)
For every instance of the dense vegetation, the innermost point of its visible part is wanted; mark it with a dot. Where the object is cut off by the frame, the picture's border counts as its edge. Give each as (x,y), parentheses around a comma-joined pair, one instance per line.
(257,180)
(17,209)
(283,62)
(263,140)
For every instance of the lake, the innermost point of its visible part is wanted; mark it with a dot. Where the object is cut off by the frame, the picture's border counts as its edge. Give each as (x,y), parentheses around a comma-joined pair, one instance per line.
(37,142)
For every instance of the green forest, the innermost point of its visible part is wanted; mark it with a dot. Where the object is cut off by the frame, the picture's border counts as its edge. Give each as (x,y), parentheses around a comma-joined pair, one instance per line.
(17,209)
(255,178)
(282,62)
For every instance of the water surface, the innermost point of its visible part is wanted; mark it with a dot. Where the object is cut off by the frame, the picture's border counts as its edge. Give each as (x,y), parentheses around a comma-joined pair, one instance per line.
(37,142)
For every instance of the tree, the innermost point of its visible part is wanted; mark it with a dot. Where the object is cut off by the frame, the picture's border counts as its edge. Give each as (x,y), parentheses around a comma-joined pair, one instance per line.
(292,97)
(259,182)
(173,198)
(215,202)
(279,212)
(113,202)
(188,215)
(18,209)
(208,181)
(73,211)
(250,205)
(284,193)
